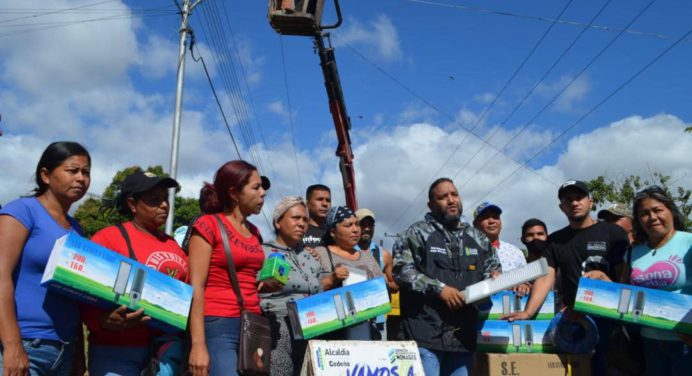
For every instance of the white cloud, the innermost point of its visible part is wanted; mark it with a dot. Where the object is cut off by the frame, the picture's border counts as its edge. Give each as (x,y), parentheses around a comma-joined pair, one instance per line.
(571,97)
(379,36)
(278,108)
(484,98)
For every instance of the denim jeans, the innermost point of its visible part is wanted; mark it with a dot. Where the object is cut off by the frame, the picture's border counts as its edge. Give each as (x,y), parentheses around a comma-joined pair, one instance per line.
(445,363)
(116,360)
(47,357)
(667,357)
(222,337)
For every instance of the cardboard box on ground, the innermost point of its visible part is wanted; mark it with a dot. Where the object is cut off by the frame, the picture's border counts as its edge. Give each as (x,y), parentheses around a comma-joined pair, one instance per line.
(531,365)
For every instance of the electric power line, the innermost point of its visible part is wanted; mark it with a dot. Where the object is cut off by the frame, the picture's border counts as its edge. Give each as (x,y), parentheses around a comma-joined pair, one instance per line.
(218,102)
(486,110)
(598,105)
(523,100)
(290,110)
(545,19)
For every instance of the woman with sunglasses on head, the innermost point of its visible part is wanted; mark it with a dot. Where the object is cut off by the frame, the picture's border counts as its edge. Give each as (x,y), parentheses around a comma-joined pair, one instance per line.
(662,259)
(343,263)
(304,279)
(40,329)
(119,341)
(237,193)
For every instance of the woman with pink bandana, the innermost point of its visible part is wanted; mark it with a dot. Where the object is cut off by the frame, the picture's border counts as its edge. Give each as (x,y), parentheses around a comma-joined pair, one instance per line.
(661,259)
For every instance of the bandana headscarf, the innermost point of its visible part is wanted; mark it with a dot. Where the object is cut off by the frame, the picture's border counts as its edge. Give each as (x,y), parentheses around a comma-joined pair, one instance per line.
(285,204)
(338,214)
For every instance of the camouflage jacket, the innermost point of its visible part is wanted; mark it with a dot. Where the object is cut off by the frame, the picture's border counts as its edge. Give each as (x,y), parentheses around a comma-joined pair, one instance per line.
(409,249)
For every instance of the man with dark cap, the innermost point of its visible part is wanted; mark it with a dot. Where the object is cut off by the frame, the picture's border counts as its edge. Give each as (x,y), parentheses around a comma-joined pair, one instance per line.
(585,248)
(621,215)
(434,260)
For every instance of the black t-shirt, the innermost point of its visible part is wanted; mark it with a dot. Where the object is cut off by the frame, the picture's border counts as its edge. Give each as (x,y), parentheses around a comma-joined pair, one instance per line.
(574,252)
(313,236)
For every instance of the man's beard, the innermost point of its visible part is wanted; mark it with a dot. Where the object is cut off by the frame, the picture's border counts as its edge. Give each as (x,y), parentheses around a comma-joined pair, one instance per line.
(451,219)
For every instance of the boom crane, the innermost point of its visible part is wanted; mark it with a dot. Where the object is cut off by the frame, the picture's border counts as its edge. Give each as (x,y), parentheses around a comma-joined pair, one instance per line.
(304,18)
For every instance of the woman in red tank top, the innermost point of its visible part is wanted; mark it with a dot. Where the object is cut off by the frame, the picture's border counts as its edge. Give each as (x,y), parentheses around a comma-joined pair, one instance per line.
(237,193)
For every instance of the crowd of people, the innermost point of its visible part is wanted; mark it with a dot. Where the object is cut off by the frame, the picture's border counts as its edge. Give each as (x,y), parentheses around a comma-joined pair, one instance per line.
(431,261)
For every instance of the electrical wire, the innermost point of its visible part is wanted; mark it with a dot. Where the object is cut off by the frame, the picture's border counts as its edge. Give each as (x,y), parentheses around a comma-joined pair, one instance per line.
(523,100)
(290,110)
(545,19)
(486,110)
(216,97)
(597,106)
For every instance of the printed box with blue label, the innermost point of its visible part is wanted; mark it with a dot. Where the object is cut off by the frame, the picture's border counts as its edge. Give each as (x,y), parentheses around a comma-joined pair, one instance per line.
(507,302)
(522,336)
(638,305)
(338,308)
(93,274)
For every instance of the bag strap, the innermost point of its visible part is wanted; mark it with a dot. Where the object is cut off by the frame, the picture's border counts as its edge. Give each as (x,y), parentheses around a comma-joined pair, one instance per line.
(123,232)
(232,275)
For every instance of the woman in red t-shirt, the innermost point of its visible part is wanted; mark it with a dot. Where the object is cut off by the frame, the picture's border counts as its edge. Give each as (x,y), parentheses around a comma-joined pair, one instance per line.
(118,340)
(238,192)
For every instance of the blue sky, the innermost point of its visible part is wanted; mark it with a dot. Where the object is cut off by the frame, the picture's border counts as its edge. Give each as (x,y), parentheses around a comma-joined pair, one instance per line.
(417,75)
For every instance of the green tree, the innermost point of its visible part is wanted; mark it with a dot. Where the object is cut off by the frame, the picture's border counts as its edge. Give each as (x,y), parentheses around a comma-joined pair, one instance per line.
(610,190)
(98,212)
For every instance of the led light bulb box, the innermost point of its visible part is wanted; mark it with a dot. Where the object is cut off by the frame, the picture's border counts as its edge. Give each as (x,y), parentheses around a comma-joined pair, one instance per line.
(86,271)
(637,305)
(522,336)
(338,308)
(276,268)
(507,302)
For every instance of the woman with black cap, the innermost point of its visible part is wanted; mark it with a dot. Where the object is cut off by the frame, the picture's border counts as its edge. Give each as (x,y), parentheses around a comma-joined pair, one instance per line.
(119,342)
(342,263)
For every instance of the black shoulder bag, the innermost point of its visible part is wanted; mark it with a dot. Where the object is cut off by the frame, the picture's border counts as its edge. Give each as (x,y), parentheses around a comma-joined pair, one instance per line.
(254,349)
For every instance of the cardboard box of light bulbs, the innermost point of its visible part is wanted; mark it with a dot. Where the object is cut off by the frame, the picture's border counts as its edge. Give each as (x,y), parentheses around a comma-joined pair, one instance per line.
(93,274)
(532,364)
(338,308)
(637,305)
(507,302)
(522,336)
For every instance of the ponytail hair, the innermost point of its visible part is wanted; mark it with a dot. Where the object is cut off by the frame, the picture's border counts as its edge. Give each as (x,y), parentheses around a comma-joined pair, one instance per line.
(215,198)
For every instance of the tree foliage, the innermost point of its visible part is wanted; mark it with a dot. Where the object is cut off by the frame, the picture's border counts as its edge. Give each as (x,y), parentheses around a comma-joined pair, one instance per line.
(98,212)
(605,190)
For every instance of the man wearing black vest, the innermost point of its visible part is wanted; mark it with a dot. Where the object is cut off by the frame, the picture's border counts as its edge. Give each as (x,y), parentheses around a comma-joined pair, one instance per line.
(434,260)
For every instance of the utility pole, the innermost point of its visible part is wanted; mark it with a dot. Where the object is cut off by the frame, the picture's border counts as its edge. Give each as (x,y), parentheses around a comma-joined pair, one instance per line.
(185,13)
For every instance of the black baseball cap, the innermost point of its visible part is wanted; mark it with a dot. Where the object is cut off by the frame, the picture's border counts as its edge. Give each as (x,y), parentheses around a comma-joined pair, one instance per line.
(143,181)
(578,184)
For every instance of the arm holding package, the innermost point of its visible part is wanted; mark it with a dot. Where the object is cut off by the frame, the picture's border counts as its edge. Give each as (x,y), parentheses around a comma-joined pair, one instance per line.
(408,254)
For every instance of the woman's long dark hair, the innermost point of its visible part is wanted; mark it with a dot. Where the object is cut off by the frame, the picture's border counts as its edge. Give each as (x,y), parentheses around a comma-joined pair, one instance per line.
(54,155)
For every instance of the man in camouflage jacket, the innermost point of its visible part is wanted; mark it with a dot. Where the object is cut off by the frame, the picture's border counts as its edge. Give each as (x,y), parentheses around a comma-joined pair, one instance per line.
(434,260)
